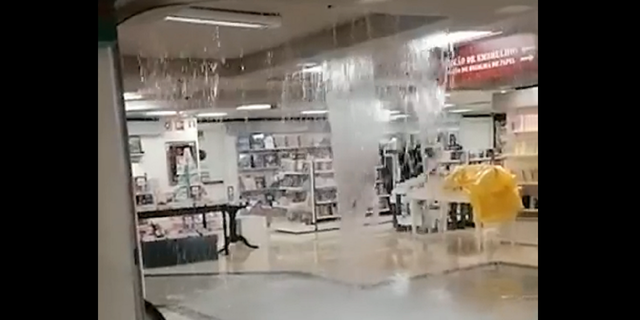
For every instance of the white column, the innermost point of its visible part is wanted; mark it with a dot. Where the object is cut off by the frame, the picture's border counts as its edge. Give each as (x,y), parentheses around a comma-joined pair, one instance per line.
(119,278)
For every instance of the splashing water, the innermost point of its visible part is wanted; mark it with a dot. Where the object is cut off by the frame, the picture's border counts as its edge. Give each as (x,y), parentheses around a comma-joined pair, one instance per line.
(356,129)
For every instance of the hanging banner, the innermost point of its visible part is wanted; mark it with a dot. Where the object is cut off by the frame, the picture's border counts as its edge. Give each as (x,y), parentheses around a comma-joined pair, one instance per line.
(496,61)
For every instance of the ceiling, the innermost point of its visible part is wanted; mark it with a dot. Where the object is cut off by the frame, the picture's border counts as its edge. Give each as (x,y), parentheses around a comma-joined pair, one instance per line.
(186,66)
(158,38)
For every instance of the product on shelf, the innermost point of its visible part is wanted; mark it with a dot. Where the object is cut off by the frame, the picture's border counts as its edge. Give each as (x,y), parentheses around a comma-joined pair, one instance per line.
(244,161)
(279,140)
(257,141)
(269,142)
(244,143)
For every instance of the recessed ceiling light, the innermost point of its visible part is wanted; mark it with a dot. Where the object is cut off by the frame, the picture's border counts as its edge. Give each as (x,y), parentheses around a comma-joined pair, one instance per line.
(254,107)
(212,114)
(128,96)
(513,9)
(226,18)
(307,64)
(313,69)
(444,39)
(503,91)
(399,116)
(460,110)
(449,105)
(315,111)
(161,113)
(220,23)
(392,112)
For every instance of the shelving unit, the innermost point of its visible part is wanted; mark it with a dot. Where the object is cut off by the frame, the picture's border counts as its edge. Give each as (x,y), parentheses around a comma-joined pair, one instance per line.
(521,149)
(262,158)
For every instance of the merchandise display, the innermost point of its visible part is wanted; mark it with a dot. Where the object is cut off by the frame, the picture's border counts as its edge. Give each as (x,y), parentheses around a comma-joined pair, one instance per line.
(294,173)
(521,156)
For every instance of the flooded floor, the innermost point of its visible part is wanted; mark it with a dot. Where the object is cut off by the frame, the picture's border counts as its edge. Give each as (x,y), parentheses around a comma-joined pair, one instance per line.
(379,254)
(484,292)
(391,275)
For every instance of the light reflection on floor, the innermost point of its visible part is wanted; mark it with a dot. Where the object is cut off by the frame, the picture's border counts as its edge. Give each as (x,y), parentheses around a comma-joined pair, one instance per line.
(486,292)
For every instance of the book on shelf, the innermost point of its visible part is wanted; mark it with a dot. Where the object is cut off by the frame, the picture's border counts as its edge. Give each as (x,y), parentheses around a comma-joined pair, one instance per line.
(244,161)
(257,161)
(244,143)
(270,160)
(257,141)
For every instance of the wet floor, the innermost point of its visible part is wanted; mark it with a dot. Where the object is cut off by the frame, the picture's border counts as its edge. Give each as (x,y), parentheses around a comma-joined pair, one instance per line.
(486,292)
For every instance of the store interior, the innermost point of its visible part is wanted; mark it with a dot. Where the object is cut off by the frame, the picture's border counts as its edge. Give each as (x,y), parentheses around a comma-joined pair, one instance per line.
(236,164)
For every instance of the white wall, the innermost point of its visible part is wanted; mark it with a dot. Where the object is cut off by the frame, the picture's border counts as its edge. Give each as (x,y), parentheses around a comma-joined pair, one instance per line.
(476,133)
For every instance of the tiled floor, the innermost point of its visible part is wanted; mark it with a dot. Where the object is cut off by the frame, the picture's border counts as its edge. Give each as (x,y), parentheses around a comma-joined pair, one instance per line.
(326,266)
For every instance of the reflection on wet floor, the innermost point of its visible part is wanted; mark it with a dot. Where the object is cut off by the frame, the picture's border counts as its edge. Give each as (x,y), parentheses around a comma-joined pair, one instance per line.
(383,254)
(487,292)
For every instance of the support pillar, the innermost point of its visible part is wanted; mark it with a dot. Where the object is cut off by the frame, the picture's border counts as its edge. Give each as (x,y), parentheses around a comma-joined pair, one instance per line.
(119,276)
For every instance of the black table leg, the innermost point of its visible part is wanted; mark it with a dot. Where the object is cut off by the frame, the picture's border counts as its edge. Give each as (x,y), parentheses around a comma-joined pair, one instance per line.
(233,229)
(225,246)
(204,220)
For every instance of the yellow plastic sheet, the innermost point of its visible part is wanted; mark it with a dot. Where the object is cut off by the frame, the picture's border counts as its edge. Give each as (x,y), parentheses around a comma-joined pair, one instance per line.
(493,191)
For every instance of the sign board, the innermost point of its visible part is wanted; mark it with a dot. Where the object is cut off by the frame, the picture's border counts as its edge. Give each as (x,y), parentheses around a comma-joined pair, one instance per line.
(496,61)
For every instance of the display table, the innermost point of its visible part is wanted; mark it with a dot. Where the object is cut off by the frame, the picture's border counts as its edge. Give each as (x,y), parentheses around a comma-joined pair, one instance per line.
(433,190)
(177,251)
(189,249)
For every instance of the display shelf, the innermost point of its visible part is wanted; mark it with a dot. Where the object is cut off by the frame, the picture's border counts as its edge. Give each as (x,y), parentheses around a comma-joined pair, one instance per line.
(247,170)
(326,187)
(326,202)
(293,189)
(310,194)
(332,217)
(283,149)
(295,173)
(522,145)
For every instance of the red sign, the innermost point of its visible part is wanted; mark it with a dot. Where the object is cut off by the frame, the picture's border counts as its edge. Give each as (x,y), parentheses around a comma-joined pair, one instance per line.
(494,61)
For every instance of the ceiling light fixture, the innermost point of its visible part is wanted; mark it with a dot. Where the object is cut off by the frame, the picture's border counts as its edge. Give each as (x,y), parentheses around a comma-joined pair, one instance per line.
(460,110)
(254,107)
(161,113)
(212,114)
(128,96)
(307,65)
(399,116)
(313,69)
(315,111)
(220,23)
(392,112)
(445,39)
(226,18)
